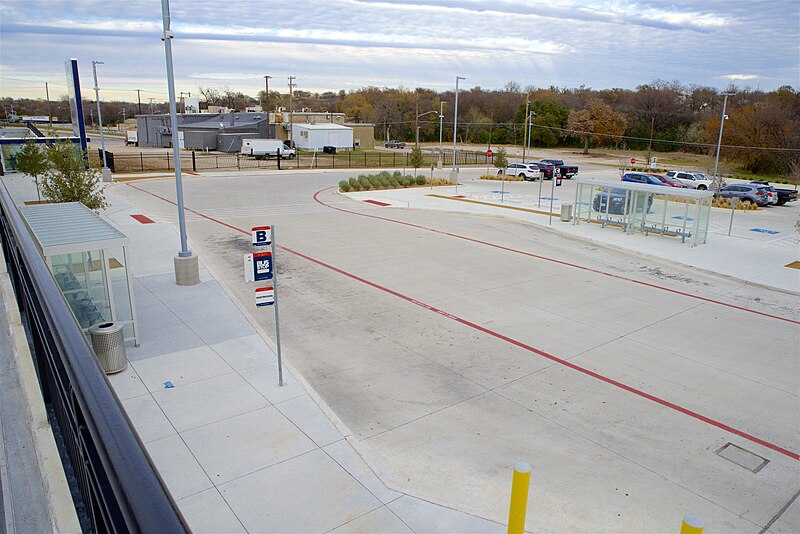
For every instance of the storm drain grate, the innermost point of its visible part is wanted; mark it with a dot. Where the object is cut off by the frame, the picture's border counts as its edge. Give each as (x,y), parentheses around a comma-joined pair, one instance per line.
(749,460)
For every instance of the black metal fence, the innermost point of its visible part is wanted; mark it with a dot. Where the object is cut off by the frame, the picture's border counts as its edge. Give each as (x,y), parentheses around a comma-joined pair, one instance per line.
(118,488)
(200,161)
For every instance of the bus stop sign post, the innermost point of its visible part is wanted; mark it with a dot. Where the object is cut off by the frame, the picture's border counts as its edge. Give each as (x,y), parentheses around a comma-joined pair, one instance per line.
(261,266)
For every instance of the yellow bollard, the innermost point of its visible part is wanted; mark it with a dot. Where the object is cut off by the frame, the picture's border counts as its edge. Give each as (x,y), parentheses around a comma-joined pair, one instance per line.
(519,498)
(692,524)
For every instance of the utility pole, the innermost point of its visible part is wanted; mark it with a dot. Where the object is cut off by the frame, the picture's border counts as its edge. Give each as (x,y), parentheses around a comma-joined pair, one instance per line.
(151,105)
(139,98)
(123,116)
(49,113)
(527,117)
(719,141)
(91,116)
(291,110)
(455,130)
(650,146)
(416,118)
(266,96)
(441,118)
(183,102)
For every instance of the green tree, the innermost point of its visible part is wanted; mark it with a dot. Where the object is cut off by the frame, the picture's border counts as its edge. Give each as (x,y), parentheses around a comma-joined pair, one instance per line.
(416,159)
(33,161)
(68,179)
(501,159)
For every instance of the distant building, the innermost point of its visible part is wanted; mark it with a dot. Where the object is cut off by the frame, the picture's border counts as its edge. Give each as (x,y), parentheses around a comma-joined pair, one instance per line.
(319,135)
(203,131)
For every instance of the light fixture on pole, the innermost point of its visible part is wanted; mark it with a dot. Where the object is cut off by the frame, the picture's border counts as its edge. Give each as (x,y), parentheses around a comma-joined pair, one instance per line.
(455,130)
(187,269)
(525,131)
(719,141)
(531,114)
(416,143)
(441,118)
(100,116)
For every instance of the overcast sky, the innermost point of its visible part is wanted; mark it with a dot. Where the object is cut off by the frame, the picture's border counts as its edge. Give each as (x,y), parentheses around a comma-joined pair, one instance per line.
(347,44)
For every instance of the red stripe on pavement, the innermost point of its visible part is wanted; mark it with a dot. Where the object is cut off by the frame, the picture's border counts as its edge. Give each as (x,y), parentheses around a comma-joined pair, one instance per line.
(143,219)
(561,361)
(553,260)
(377,203)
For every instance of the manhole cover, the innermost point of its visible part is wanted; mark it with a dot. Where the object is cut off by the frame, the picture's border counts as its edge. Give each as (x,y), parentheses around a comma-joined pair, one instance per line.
(749,460)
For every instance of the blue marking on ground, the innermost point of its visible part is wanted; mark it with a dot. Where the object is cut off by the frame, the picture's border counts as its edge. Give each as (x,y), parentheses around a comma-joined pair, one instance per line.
(500,192)
(764,231)
(549,198)
(680,218)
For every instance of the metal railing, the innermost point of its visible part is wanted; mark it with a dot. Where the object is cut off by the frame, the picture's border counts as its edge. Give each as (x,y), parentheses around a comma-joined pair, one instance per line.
(200,161)
(118,488)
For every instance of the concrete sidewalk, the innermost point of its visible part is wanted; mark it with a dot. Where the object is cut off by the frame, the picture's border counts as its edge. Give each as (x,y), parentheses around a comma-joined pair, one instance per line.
(238,452)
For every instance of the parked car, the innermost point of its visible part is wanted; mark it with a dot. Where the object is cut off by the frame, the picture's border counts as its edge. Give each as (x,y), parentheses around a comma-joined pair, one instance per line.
(695,180)
(784,195)
(567,171)
(672,182)
(394,143)
(546,169)
(525,171)
(642,178)
(618,200)
(755,193)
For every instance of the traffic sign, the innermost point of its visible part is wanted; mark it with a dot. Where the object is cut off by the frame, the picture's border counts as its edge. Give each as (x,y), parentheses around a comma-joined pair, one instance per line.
(262,266)
(265,296)
(489,153)
(633,161)
(261,236)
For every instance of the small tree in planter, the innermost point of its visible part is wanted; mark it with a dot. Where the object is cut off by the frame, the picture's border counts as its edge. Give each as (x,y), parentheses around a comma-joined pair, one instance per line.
(32,160)
(416,159)
(68,179)
(501,160)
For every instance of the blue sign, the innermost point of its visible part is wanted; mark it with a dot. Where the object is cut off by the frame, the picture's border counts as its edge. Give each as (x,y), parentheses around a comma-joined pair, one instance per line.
(262,266)
(764,231)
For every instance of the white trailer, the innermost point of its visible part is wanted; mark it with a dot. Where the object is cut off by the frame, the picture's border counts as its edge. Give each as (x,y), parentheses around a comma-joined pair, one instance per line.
(317,136)
(131,137)
(266,148)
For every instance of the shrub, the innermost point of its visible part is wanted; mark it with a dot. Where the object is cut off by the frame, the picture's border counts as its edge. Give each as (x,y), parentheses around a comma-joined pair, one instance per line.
(397,174)
(353,182)
(364,183)
(408,181)
(420,180)
(344,186)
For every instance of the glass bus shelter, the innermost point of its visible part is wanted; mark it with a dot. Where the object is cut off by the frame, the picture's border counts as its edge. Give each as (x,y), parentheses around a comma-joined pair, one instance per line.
(668,211)
(89,261)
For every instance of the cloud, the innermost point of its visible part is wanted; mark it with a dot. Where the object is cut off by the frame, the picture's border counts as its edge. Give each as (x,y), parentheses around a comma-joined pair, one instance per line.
(740,76)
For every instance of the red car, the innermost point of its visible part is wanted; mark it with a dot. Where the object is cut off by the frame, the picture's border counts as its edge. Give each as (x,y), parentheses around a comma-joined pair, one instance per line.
(672,182)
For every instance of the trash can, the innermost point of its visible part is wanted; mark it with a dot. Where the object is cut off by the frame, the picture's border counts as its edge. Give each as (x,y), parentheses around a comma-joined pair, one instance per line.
(108,343)
(566,212)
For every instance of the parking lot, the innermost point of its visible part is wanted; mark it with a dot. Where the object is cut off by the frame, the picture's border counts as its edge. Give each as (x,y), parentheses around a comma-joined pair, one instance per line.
(453,344)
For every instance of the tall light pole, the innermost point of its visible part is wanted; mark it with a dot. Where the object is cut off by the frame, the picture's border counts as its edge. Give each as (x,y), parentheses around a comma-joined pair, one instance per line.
(291,110)
(531,114)
(49,113)
(455,129)
(99,113)
(139,98)
(187,270)
(266,97)
(441,118)
(719,141)
(527,116)
(417,128)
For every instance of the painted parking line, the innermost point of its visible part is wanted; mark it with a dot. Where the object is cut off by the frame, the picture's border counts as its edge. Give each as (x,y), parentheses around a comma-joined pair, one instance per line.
(377,203)
(566,363)
(546,258)
(764,231)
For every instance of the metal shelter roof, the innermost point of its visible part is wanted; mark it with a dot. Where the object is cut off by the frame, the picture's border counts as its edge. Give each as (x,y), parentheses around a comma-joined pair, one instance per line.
(70,227)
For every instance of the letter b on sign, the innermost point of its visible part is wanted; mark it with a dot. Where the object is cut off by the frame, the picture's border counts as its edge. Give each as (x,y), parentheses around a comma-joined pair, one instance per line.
(261,236)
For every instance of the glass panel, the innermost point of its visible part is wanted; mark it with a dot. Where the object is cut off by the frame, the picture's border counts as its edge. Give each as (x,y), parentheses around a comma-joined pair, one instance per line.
(117,273)
(80,277)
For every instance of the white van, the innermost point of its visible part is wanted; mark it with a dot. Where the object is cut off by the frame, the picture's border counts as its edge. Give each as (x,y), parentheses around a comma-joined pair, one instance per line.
(266,148)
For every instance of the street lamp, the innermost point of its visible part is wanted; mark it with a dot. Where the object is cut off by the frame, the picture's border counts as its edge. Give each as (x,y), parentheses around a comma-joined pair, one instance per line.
(441,117)
(99,115)
(455,129)
(719,141)
(531,114)
(187,267)
(526,130)
(416,143)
